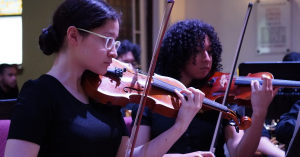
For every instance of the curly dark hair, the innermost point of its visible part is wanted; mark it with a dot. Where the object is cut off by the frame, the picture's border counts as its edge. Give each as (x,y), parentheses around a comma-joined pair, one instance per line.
(179,45)
(127,46)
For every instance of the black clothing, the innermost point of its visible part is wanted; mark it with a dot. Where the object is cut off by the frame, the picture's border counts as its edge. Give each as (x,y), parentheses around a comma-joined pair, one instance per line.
(48,115)
(286,126)
(198,136)
(128,107)
(11,94)
(265,132)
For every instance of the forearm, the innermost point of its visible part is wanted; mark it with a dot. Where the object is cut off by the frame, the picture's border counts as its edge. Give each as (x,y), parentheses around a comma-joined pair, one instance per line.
(173,155)
(250,140)
(267,148)
(161,144)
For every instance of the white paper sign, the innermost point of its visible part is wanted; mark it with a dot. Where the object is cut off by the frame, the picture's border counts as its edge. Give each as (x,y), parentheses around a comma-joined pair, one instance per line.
(273,26)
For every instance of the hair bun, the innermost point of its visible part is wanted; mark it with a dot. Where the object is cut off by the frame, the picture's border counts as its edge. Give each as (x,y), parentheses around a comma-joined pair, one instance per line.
(48,40)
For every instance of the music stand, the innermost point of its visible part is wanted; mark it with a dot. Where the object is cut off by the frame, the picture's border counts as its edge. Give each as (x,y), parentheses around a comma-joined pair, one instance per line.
(286,97)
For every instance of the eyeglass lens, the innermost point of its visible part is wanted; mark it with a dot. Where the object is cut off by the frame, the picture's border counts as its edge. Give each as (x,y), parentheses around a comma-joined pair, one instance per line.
(111,42)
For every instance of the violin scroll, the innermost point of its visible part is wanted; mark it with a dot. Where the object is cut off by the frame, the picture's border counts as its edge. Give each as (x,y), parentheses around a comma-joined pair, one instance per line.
(240,124)
(245,122)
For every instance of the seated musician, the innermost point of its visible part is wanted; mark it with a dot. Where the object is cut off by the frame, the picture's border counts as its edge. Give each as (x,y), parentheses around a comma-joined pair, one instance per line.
(129,53)
(191,52)
(55,117)
(8,82)
(286,126)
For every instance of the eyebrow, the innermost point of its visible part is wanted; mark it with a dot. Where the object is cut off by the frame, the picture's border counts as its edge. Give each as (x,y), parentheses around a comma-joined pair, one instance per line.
(111,34)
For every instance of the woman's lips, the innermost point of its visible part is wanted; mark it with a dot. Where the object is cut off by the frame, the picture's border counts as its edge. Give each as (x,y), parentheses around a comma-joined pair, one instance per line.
(108,63)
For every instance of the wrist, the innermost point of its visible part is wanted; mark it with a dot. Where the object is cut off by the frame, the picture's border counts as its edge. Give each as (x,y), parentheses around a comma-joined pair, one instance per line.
(179,128)
(261,115)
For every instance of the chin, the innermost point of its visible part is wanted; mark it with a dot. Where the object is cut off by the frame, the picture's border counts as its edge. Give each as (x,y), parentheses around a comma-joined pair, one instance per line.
(199,77)
(100,71)
(103,72)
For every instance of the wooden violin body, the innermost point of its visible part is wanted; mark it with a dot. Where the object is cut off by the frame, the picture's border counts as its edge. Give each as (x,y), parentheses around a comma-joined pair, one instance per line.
(240,90)
(115,90)
(121,86)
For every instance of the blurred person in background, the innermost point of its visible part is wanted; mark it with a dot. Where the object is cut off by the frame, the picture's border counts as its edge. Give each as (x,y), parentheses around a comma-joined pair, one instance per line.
(8,82)
(293,56)
(284,129)
(129,53)
(286,126)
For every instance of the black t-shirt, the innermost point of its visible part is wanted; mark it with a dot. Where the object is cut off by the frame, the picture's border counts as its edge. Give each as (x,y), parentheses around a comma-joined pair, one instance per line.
(48,115)
(11,94)
(198,136)
(285,128)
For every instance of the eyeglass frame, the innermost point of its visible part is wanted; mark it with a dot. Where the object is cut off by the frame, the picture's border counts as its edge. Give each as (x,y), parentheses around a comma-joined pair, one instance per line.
(105,37)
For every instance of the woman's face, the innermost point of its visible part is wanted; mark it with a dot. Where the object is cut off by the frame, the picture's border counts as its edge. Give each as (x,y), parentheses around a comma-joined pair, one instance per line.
(199,67)
(94,55)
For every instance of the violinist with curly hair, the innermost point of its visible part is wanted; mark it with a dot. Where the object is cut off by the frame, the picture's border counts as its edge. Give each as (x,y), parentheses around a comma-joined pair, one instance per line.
(191,52)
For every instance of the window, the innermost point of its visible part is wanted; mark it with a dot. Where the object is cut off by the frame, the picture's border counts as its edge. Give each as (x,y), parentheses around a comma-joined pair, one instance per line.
(11,31)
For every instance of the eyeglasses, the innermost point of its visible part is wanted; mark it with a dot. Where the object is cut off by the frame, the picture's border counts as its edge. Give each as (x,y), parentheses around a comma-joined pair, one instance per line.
(110,42)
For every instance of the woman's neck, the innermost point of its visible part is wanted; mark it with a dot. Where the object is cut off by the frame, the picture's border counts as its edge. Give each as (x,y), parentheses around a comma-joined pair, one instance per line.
(184,79)
(69,74)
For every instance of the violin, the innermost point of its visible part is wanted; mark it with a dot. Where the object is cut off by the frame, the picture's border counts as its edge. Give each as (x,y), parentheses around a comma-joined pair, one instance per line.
(122,85)
(240,89)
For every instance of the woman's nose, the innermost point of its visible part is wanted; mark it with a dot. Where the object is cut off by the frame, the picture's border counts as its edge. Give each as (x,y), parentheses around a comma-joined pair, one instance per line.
(207,56)
(113,52)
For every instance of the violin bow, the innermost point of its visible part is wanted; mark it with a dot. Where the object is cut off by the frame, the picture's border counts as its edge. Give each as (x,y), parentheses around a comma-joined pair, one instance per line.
(212,147)
(137,122)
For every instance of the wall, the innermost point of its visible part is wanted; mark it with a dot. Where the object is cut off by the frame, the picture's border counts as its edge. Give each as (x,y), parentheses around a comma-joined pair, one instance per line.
(227,17)
(36,16)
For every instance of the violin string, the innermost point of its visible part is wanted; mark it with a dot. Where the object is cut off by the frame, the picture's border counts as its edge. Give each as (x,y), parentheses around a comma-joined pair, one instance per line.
(166,86)
(275,82)
(171,88)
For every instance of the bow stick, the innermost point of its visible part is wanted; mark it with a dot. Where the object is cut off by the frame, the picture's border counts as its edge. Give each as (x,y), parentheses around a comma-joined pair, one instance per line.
(146,90)
(212,147)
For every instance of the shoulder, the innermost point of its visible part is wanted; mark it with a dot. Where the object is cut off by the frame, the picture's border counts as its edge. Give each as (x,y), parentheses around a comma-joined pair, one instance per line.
(38,91)
(43,84)
(43,80)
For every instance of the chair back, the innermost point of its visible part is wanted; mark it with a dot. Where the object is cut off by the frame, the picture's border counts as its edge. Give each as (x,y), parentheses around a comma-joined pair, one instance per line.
(4,127)
(6,107)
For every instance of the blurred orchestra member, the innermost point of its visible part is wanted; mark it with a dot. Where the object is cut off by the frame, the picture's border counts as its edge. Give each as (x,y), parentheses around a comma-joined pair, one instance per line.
(286,126)
(129,53)
(293,56)
(8,82)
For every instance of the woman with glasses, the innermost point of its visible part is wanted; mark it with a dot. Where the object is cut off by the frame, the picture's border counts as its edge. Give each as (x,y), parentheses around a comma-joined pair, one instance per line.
(191,53)
(55,117)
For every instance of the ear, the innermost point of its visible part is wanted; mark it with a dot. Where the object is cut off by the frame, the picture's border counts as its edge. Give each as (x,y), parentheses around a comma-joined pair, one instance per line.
(73,35)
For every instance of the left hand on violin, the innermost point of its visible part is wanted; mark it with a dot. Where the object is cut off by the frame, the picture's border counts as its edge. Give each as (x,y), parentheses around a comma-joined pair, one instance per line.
(240,90)
(262,95)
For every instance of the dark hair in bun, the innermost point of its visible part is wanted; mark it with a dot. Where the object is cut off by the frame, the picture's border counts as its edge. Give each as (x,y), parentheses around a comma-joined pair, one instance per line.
(85,14)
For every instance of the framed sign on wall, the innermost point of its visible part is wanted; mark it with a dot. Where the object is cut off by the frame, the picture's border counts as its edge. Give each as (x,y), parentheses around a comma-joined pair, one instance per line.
(10,7)
(273,26)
